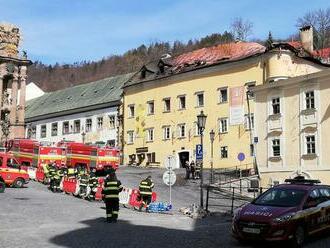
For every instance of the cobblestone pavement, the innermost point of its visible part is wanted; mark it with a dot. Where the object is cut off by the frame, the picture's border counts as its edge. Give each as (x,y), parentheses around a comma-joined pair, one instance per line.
(35,217)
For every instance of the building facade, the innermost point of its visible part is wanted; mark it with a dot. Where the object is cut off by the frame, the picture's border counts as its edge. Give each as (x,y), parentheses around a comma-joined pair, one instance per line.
(293,128)
(13,74)
(162,101)
(85,113)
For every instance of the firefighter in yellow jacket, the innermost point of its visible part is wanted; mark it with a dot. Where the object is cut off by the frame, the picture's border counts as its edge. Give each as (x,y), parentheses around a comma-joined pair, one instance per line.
(145,189)
(111,188)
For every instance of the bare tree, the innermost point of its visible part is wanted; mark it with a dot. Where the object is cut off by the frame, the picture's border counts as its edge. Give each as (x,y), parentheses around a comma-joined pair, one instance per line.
(241,29)
(320,20)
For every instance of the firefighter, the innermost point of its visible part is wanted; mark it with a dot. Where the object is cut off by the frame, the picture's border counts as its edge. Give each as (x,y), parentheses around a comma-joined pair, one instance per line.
(83,182)
(45,168)
(145,189)
(71,172)
(111,188)
(57,179)
(93,184)
(52,172)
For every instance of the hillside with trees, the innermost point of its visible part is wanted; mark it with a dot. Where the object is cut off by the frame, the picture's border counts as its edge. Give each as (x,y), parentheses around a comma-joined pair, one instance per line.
(54,77)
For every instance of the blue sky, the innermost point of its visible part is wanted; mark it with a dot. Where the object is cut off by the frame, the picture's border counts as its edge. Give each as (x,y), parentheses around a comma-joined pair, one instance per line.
(66,31)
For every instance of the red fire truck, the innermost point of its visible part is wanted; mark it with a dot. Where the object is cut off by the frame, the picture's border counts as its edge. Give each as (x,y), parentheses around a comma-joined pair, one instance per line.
(32,154)
(79,155)
(89,156)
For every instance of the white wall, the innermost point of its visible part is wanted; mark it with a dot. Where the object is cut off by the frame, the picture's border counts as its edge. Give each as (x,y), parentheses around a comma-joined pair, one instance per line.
(104,134)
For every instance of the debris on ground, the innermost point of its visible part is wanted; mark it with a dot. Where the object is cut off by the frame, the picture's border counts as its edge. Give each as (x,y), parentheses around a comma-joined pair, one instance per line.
(194,211)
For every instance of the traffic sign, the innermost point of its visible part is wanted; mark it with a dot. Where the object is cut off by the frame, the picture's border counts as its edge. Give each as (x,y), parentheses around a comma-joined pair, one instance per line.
(169,162)
(241,156)
(199,152)
(169,177)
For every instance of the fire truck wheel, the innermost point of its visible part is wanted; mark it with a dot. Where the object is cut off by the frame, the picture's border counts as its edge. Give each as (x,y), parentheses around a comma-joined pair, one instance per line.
(18,183)
(2,187)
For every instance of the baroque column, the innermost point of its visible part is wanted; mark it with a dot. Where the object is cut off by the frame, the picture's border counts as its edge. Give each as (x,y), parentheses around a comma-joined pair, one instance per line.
(22,96)
(1,93)
(14,91)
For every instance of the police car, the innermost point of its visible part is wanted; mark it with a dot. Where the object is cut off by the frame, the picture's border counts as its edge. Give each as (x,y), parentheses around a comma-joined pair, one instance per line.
(289,211)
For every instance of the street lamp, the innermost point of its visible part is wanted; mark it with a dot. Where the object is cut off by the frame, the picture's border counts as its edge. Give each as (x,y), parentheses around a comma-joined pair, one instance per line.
(212,134)
(201,120)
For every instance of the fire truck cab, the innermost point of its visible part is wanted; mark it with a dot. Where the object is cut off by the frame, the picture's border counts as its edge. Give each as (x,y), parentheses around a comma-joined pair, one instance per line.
(11,172)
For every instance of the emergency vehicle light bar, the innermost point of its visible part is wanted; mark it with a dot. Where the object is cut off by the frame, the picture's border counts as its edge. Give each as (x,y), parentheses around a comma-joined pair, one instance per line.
(302,180)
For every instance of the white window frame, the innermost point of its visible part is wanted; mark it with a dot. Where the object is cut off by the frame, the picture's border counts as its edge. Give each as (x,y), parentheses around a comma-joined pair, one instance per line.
(181,127)
(221,127)
(167,110)
(247,123)
(112,121)
(180,102)
(74,126)
(201,93)
(130,137)
(43,134)
(53,125)
(100,122)
(272,105)
(272,147)
(33,132)
(89,126)
(306,142)
(220,95)
(131,111)
(150,134)
(167,132)
(308,99)
(63,127)
(151,107)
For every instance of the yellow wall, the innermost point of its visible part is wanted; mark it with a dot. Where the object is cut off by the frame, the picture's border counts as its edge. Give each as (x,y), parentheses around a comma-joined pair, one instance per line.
(231,75)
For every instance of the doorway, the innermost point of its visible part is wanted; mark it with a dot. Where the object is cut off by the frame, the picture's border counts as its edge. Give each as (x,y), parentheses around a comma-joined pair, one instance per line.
(183,157)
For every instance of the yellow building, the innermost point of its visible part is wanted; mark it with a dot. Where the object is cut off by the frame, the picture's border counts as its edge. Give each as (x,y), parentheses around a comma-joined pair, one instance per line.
(161,102)
(293,128)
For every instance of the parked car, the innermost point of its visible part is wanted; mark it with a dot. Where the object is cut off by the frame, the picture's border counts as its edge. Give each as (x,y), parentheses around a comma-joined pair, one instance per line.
(11,172)
(289,211)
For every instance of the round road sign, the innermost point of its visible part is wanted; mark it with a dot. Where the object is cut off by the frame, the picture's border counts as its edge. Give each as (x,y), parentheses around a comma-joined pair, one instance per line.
(241,156)
(169,162)
(169,178)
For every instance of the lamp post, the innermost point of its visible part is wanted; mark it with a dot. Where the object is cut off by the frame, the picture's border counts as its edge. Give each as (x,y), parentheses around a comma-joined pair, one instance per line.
(201,120)
(212,134)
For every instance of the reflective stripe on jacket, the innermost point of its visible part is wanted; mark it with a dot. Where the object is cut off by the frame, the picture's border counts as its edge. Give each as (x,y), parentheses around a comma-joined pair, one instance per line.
(111,189)
(146,187)
(84,179)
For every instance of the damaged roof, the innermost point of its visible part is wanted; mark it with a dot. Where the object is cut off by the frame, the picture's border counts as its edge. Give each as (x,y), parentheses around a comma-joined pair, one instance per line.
(99,94)
(197,59)
(215,55)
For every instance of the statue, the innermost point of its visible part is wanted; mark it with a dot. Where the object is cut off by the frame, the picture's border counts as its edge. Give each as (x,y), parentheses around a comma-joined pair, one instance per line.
(9,40)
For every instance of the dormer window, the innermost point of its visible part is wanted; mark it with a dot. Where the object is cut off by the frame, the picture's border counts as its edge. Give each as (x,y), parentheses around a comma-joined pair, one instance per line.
(161,67)
(143,73)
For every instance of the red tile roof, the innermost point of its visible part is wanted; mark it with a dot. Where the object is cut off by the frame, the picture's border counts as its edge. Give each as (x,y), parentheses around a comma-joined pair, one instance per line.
(222,52)
(295,44)
(323,53)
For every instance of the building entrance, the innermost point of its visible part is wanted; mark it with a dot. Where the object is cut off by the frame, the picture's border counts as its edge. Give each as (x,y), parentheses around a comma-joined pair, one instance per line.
(183,157)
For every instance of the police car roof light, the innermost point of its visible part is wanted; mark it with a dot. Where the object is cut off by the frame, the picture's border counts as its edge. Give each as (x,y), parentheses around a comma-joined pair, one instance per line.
(301,180)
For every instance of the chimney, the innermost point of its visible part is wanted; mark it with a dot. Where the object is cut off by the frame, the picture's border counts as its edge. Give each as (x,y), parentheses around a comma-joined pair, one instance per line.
(306,38)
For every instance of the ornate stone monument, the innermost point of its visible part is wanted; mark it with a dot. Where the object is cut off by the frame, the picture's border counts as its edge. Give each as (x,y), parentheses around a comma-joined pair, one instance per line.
(13,69)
